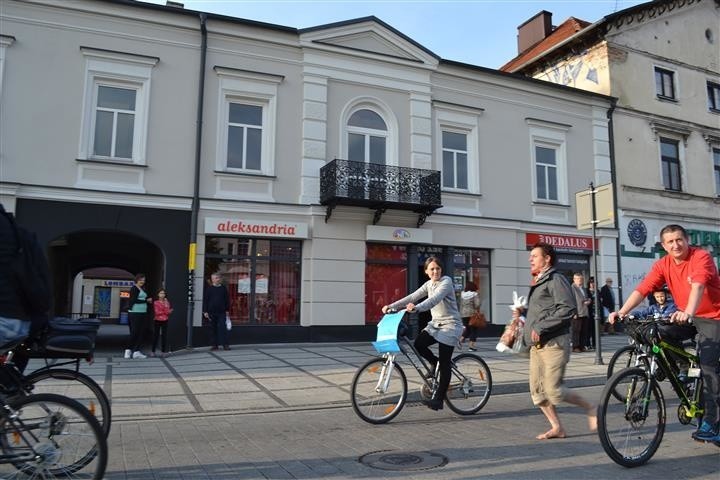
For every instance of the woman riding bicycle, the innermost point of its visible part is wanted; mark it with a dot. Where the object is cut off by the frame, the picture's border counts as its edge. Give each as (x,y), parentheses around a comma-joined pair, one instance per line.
(445,328)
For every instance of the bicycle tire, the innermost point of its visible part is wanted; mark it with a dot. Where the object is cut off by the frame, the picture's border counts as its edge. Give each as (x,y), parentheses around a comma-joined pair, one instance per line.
(468,394)
(91,397)
(628,436)
(623,358)
(373,406)
(59,433)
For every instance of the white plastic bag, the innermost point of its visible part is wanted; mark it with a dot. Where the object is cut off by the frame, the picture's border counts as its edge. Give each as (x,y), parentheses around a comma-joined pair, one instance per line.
(228,323)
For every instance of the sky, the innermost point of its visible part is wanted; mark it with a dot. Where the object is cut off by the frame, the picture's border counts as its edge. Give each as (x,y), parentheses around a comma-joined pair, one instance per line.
(477,32)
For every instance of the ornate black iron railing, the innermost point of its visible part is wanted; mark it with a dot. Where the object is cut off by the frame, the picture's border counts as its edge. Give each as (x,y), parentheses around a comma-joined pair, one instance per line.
(379,187)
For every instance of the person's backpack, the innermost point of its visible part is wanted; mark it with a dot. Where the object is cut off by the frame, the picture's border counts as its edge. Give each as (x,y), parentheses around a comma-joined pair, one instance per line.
(31,272)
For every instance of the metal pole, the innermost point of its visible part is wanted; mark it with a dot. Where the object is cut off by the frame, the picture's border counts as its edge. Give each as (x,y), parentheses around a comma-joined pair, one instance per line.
(598,314)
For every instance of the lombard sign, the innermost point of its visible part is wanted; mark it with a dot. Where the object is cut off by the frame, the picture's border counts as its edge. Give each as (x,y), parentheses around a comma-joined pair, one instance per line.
(398,234)
(118,283)
(562,243)
(255,228)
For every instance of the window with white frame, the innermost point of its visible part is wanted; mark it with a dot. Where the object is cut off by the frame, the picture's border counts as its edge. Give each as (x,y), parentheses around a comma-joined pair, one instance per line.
(670,163)
(246,121)
(713,94)
(549,162)
(716,169)
(367,137)
(665,84)
(454,160)
(115,106)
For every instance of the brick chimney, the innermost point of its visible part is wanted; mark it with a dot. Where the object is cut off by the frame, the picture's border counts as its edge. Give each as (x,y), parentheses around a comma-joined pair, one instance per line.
(534,30)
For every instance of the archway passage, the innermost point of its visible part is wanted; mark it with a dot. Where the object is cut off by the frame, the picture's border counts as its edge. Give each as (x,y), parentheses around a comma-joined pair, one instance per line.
(80,236)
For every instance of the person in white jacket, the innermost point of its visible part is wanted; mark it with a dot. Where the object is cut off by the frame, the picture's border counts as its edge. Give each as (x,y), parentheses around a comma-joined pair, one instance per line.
(469,304)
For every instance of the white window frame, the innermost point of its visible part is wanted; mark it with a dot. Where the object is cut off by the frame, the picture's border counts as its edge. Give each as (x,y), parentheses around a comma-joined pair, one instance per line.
(553,136)
(5,42)
(675,81)
(121,70)
(681,160)
(374,105)
(247,88)
(715,86)
(715,168)
(367,133)
(458,119)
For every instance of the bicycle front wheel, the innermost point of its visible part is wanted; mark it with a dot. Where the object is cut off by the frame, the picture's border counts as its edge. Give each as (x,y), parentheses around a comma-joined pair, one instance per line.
(77,386)
(379,391)
(470,384)
(624,357)
(50,436)
(631,430)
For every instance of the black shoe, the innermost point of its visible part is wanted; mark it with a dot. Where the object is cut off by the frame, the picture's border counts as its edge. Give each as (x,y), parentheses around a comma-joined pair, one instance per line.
(434,404)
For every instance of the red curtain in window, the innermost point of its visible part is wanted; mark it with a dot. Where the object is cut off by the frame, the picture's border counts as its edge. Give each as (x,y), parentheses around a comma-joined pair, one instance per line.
(383,285)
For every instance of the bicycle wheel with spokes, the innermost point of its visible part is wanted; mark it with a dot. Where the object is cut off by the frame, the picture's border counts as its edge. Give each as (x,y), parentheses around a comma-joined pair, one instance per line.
(49,436)
(631,430)
(470,384)
(378,391)
(77,386)
(624,357)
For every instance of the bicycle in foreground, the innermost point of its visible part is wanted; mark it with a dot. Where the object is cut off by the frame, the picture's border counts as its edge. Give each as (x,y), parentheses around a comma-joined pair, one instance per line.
(379,389)
(632,410)
(45,435)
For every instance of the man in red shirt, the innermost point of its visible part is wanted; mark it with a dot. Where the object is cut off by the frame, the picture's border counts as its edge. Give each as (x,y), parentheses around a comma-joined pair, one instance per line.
(693,280)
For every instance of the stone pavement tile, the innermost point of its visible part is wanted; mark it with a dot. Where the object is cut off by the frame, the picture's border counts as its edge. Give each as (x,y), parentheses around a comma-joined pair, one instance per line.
(272,372)
(310,397)
(225,386)
(266,363)
(293,355)
(341,379)
(133,407)
(137,368)
(146,390)
(203,367)
(330,368)
(299,382)
(233,401)
(227,374)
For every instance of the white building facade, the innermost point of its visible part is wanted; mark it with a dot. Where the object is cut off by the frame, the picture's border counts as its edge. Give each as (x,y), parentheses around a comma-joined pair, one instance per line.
(315,169)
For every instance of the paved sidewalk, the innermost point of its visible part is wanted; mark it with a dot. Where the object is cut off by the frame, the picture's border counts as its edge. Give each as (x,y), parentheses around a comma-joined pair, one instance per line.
(281,377)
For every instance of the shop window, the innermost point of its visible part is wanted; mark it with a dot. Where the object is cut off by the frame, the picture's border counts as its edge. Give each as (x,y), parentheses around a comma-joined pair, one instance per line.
(262,275)
(385,278)
(473,265)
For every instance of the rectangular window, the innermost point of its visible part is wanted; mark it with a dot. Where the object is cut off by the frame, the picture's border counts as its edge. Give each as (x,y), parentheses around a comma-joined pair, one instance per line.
(546,174)
(386,275)
(716,169)
(455,160)
(713,93)
(114,122)
(263,278)
(244,149)
(670,161)
(664,83)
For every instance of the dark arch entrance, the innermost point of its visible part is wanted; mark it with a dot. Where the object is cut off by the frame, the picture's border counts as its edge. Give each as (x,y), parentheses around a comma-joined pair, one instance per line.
(78,236)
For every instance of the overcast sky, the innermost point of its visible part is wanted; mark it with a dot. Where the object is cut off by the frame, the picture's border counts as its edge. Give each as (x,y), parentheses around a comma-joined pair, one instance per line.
(478,32)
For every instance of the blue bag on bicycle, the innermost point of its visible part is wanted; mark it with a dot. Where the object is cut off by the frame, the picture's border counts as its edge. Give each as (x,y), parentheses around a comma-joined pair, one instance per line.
(387,333)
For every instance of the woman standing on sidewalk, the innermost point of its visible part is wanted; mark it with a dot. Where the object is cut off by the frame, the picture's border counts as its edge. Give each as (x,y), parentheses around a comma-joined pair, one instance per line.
(551,306)
(162,310)
(469,304)
(137,316)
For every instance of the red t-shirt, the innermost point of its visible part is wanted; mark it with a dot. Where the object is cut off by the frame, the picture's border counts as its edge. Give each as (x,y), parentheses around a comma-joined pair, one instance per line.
(697,267)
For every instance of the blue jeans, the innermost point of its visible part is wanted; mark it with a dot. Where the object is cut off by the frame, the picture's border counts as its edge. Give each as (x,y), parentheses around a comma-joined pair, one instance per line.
(12,329)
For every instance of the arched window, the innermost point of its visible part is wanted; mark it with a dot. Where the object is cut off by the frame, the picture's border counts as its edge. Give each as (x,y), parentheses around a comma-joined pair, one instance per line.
(367,137)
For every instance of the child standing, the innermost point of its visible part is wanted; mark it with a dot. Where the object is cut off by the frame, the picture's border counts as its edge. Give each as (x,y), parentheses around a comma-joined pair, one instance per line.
(162,311)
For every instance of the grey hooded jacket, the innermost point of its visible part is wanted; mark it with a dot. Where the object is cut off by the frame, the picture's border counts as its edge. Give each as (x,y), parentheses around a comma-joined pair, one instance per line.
(551,306)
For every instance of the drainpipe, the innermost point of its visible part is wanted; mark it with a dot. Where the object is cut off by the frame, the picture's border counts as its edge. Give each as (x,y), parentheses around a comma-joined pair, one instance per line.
(192,248)
(613,180)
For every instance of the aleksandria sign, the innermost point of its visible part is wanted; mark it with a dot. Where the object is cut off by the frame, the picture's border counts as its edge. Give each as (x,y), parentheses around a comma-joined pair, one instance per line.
(255,228)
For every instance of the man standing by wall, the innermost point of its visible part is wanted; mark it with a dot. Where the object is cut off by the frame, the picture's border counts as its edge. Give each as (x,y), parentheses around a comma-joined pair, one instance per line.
(607,302)
(216,307)
(580,324)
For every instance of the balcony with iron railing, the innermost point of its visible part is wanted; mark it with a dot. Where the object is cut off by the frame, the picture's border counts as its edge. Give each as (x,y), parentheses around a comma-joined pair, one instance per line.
(379,187)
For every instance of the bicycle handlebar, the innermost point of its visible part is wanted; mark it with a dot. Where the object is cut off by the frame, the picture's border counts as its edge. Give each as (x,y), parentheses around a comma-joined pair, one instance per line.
(661,319)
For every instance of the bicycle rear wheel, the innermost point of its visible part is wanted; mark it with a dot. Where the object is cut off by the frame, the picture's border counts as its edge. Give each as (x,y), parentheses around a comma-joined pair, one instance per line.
(470,384)
(50,436)
(624,357)
(631,430)
(75,385)
(378,391)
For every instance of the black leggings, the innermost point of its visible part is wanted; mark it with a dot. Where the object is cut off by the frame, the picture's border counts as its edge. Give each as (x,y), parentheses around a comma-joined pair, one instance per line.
(138,326)
(160,331)
(422,344)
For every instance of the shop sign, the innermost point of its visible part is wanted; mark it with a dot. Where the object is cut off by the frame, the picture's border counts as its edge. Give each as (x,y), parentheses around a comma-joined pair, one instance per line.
(255,228)
(562,243)
(398,234)
(118,283)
